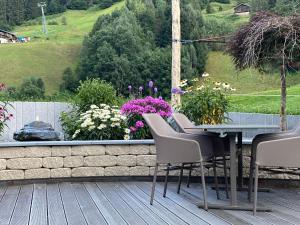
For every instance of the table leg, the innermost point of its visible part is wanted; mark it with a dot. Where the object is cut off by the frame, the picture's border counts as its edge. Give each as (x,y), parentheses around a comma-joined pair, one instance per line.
(240,160)
(233,190)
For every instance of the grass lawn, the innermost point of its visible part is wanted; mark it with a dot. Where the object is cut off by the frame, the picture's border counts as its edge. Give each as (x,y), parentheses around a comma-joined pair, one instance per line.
(256,92)
(226,15)
(44,58)
(79,24)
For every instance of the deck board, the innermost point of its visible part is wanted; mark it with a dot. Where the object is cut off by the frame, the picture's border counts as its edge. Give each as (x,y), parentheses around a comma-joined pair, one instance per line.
(38,214)
(21,212)
(8,204)
(127,203)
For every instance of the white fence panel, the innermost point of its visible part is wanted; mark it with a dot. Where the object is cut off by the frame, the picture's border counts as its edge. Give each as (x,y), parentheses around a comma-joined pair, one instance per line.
(26,112)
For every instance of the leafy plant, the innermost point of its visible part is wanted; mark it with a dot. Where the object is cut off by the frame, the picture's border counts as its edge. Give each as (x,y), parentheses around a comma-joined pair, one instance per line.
(95,92)
(205,102)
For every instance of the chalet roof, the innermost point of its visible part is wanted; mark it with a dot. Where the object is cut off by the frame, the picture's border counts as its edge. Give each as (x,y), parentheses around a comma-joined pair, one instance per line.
(4,31)
(241,4)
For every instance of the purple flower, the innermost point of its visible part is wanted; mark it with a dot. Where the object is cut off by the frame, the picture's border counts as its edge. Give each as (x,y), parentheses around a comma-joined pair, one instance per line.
(160,98)
(155,90)
(139,124)
(175,90)
(129,87)
(141,88)
(151,84)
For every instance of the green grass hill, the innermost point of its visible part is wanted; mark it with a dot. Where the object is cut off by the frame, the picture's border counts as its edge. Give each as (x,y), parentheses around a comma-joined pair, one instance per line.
(48,58)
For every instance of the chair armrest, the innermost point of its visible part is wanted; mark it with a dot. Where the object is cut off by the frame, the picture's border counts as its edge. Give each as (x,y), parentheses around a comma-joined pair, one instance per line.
(279,153)
(177,150)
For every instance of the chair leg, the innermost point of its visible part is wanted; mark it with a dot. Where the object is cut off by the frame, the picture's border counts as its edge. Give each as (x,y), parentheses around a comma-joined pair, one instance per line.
(154,183)
(189,176)
(225,176)
(216,178)
(180,179)
(255,189)
(166,180)
(203,187)
(250,185)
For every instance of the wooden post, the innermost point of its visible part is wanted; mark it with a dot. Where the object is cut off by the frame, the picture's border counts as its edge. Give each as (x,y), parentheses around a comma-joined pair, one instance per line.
(176,50)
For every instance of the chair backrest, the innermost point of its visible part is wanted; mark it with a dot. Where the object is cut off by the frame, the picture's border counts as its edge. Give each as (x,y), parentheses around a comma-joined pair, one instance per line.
(169,147)
(279,153)
(182,121)
(158,126)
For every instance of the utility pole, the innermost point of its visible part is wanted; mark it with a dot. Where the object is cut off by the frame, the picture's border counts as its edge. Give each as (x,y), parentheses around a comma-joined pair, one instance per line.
(176,50)
(42,5)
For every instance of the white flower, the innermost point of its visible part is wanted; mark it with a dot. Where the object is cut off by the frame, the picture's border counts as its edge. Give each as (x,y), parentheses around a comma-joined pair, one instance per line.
(94,107)
(91,128)
(127,131)
(75,134)
(232,89)
(195,79)
(117,124)
(102,126)
(126,137)
(218,83)
(205,74)
(226,85)
(216,88)
(200,88)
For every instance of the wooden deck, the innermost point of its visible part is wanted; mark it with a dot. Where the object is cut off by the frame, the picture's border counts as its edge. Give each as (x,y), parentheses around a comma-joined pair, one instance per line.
(118,203)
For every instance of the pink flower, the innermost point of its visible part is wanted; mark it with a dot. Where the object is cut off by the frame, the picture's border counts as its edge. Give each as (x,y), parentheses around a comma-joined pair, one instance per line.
(132,129)
(139,124)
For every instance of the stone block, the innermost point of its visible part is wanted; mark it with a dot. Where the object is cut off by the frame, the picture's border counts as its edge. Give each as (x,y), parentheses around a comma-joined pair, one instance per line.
(139,171)
(9,153)
(117,171)
(37,152)
(139,149)
(61,151)
(37,173)
(2,164)
(126,160)
(53,162)
(88,172)
(117,150)
(73,161)
(11,174)
(60,172)
(88,150)
(146,160)
(24,163)
(103,160)
(152,149)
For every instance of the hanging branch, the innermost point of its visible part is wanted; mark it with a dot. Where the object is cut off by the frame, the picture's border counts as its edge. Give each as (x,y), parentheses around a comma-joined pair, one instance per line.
(268,39)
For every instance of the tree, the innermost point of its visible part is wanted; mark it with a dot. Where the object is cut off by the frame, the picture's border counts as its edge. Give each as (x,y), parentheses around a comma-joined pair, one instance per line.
(78,4)
(31,89)
(267,40)
(70,81)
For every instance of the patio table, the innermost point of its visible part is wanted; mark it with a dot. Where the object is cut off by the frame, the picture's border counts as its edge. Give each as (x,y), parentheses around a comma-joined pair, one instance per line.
(234,132)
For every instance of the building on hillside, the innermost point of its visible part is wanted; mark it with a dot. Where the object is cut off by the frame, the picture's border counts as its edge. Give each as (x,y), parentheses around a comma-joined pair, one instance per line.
(7,37)
(242,9)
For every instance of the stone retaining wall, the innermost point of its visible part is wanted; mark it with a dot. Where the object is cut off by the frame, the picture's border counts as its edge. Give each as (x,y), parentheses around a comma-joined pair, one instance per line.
(76,161)
(43,162)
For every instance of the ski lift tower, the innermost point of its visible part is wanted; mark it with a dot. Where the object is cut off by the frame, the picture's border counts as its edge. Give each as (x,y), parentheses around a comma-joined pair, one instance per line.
(42,5)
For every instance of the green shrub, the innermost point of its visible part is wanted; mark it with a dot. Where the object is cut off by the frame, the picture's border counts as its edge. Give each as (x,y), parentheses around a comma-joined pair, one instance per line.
(64,21)
(52,22)
(31,89)
(95,92)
